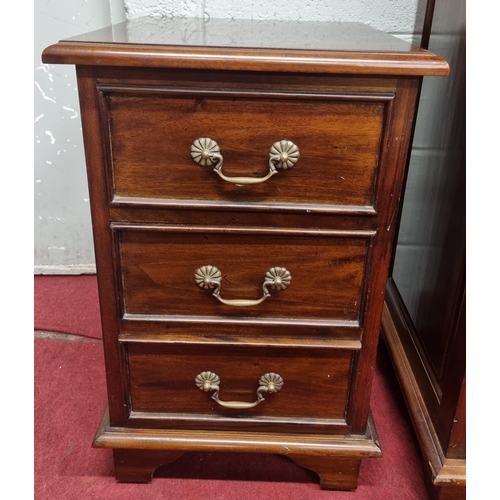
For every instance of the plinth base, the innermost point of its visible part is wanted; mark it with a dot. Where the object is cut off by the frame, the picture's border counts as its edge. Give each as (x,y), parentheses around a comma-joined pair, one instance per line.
(336,459)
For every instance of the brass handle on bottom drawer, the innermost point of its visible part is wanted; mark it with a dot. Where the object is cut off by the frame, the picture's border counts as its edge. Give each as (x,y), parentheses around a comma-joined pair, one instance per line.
(209,381)
(283,154)
(278,278)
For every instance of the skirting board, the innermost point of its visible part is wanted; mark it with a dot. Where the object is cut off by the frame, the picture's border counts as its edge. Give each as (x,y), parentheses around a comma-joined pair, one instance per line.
(65,269)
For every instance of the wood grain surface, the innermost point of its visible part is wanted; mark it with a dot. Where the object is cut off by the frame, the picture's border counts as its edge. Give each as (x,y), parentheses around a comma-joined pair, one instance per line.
(338,136)
(158,266)
(162,379)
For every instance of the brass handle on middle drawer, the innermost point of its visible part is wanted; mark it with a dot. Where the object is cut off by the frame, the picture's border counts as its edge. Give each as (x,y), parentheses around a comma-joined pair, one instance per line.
(209,381)
(278,278)
(283,154)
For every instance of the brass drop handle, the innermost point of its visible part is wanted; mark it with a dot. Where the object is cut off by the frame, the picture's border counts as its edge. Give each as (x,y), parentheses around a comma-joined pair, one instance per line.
(209,381)
(277,278)
(206,152)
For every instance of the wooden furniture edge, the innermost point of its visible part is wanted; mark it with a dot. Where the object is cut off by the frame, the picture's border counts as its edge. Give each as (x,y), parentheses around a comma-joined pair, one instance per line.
(233,441)
(303,61)
(443,471)
(453,471)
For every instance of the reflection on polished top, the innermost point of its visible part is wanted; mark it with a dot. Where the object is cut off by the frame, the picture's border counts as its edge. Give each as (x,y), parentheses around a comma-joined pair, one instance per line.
(230,43)
(247,33)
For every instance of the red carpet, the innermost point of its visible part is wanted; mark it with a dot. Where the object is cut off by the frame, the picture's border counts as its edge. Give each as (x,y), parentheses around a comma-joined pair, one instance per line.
(68,304)
(70,396)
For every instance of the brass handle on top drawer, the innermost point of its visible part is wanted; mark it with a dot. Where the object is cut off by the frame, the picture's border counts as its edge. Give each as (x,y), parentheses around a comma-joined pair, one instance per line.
(277,278)
(283,154)
(209,381)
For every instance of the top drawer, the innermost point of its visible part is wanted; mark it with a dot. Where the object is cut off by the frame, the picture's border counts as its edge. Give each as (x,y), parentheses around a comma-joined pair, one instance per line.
(152,131)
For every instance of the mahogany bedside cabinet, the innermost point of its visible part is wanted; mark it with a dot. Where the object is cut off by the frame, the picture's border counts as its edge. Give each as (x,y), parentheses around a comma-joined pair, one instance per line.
(245,179)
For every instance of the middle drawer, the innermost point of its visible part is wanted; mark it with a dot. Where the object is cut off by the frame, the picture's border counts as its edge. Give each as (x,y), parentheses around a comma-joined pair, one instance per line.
(265,273)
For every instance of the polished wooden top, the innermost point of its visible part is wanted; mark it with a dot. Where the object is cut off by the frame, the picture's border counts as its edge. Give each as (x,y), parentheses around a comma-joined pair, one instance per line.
(230,44)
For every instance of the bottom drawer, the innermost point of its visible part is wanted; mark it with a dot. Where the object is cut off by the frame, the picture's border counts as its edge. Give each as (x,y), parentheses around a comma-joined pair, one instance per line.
(170,384)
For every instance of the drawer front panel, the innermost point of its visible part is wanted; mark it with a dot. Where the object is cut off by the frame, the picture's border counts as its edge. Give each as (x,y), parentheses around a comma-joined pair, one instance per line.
(158,268)
(338,138)
(315,382)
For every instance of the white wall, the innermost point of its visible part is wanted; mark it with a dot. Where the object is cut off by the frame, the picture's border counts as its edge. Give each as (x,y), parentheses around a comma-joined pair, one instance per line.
(62,227)
(402,18)
(63,236)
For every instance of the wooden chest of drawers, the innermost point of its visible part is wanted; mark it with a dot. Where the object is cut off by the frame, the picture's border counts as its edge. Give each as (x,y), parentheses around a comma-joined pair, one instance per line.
(245,187)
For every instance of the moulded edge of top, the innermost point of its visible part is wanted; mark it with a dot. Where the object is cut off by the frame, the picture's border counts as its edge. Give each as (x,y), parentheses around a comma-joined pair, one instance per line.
(419,63)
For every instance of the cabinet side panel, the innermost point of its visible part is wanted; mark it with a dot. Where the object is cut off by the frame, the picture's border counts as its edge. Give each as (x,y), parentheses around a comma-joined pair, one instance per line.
(397,134)
(104,248)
